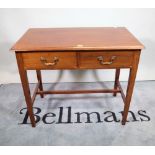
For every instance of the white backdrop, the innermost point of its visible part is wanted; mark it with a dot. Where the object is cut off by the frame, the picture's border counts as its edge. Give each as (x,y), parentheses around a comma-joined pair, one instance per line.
(14,22)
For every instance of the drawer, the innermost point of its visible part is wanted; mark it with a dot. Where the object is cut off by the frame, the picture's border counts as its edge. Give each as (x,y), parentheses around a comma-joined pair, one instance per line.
(109,59)
(49,60)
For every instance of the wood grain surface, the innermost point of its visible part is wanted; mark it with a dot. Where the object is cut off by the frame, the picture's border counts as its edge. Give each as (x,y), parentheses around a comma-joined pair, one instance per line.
(96,38)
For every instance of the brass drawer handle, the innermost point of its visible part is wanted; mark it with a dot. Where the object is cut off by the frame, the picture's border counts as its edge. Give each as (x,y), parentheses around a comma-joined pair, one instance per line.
(44,61)
(100,59)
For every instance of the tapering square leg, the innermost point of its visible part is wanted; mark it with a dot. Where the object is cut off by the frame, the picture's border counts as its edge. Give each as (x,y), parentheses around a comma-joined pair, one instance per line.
(117,74)
(26,89)
(40,81)
(131,82)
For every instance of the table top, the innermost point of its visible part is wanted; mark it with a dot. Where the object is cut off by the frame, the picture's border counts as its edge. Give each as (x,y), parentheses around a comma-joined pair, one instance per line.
(92,38)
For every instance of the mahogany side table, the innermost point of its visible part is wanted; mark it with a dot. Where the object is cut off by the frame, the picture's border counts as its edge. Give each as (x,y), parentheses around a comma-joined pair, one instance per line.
(77,48)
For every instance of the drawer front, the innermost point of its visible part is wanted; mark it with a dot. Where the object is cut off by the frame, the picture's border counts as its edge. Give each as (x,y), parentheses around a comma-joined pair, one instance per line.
(49,60)
(97,60)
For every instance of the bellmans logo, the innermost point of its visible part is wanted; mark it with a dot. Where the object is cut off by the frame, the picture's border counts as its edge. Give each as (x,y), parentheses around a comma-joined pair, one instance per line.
(65,115)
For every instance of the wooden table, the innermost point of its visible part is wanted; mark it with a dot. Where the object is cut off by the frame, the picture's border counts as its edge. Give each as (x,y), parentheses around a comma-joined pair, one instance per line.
(77,48)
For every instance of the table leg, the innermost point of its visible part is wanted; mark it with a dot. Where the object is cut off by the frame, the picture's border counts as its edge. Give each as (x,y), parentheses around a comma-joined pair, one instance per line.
(26,89)
(40,80)
(131,82)
(117,73)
